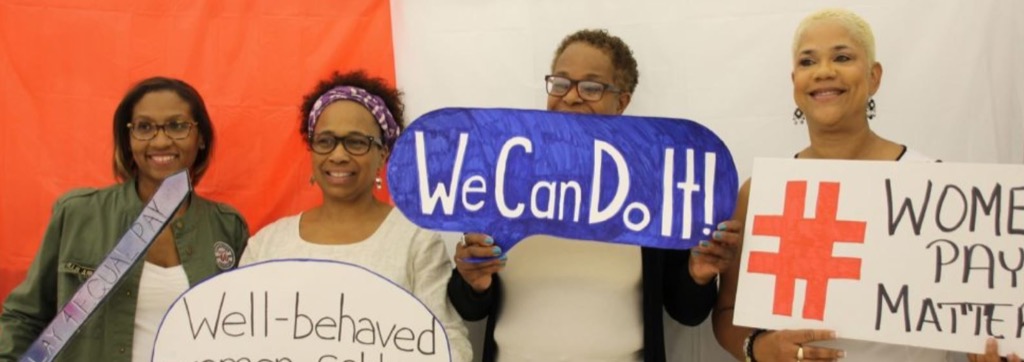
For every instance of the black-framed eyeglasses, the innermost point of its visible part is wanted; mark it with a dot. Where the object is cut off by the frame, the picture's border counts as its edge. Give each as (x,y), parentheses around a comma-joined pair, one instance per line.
(355,144)
(589,90)
(145,130)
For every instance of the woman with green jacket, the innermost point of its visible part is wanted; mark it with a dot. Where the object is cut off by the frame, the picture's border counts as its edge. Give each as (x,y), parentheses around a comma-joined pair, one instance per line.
(160,127)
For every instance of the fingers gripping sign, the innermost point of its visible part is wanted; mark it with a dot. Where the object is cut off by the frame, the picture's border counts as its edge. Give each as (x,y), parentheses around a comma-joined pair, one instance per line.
(477,258)
(711,257)
(795,345)
(992,354)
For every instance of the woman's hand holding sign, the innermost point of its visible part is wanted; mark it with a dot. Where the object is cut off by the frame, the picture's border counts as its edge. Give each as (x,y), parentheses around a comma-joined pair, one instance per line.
(709,258)
(791,345)
(992,354)
(477,259)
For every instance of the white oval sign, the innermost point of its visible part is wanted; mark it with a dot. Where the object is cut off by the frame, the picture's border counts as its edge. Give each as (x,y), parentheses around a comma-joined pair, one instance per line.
(299,310)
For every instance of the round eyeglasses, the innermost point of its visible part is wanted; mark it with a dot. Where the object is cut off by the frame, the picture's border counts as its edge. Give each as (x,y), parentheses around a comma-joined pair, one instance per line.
(589,90)
(145,130)
(355,144)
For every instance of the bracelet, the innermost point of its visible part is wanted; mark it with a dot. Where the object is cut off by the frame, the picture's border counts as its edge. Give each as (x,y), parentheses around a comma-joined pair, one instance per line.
(748,344)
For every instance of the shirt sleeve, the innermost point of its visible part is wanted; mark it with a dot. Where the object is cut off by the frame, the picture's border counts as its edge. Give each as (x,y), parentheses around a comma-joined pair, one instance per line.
(430,270)
(32,304)
(251,253)
(686,301)
(242,237)
(471,305)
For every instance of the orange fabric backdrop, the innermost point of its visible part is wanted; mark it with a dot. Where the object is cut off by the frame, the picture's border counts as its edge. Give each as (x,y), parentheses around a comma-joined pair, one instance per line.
(64,65)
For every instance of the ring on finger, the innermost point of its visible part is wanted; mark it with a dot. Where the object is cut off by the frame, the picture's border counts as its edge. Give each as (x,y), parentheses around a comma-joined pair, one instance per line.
(800,353)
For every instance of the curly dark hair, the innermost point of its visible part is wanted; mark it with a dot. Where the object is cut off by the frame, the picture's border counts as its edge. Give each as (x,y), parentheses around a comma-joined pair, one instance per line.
(358,78)
(626,73)
(124,164)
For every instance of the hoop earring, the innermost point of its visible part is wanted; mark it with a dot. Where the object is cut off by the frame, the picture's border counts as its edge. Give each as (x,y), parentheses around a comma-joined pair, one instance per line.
(379,182)
(871,109)
(798,117)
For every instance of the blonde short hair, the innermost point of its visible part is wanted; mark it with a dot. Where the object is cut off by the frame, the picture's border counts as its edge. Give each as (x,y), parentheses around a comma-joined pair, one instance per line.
(859,29)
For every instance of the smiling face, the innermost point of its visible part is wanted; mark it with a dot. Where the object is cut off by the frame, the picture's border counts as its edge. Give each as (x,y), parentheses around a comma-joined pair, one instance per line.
(162,156)
(341,175)
(582,61)
(833,76)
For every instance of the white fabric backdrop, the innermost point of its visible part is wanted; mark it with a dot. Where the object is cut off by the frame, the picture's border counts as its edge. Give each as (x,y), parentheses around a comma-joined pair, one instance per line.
(953,82)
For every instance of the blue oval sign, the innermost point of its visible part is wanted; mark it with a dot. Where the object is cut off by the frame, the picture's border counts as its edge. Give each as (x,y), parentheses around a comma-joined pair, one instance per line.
(509,173)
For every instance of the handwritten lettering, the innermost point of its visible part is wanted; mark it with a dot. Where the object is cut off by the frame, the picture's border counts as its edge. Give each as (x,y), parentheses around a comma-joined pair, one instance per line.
(975,259)
(554,199)
(953,209)
(982,319)
(241,320)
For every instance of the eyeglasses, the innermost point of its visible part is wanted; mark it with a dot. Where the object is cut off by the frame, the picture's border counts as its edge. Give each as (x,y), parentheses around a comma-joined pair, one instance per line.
(589,90)
(355,144)
(145,130)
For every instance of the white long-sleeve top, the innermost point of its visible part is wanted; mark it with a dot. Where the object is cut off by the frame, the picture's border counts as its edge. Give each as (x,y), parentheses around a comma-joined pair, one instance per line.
(422,269)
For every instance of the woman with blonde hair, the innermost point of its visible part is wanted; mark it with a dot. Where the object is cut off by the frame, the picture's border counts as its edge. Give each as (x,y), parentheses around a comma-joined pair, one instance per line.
(834,78)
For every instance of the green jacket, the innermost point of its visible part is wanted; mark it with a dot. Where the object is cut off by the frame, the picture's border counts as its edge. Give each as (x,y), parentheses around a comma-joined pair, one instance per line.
(84,227)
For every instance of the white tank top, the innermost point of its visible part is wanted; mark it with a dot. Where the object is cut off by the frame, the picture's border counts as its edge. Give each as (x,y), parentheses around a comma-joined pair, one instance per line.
(158,289)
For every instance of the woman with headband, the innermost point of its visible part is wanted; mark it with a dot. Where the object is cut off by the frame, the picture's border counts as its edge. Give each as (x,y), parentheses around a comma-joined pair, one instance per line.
(350,123)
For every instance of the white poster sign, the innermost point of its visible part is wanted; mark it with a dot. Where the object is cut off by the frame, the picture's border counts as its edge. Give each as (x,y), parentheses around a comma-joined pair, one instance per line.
(921,254)
(300,310)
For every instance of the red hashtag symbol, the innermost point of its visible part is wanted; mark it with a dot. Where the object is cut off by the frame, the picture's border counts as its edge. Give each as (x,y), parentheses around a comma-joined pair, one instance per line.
(805,248)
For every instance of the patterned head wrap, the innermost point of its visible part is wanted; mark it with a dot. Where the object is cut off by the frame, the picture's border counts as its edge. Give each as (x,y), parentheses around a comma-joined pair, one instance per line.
(373,103)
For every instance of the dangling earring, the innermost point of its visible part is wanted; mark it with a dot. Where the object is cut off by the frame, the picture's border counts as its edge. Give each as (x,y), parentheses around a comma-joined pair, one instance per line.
(798,117)
(871,109)
(379,182)
(311,180)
